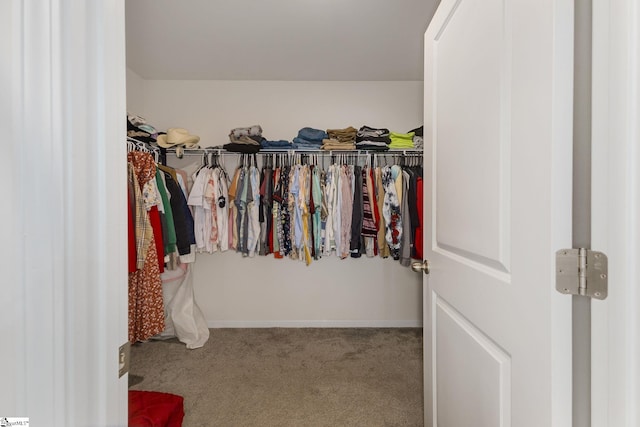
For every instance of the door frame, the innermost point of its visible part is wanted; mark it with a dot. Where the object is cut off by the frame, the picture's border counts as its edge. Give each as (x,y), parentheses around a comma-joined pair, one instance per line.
(64,286)
(615,224)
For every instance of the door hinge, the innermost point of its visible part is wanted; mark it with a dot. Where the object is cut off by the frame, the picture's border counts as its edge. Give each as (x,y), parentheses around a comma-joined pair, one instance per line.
(582,272)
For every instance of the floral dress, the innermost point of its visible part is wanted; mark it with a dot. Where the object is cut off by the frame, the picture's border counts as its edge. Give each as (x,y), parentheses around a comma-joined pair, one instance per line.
(146,305)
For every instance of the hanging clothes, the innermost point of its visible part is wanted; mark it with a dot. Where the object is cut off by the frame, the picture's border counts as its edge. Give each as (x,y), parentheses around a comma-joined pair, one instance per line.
(146,305)
(264,209)
(383,247)
(369,228)
(131,212)
(161,242)
(183,317)
(317,210)
(183,219)
(407,236)
(253,211)
(418,241)
(392,210)
(221,202)
(357,213)
(168,227)
(293,207)
(201,210)
(208,200)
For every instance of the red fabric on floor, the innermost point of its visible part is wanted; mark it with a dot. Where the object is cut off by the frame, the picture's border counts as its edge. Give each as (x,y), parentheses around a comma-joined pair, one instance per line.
(155,409)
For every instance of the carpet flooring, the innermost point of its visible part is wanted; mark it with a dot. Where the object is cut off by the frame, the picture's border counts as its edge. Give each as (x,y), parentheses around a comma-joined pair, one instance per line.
(309,377)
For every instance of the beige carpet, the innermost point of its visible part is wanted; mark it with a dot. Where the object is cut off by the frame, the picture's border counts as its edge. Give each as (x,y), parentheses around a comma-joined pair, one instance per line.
(290,377)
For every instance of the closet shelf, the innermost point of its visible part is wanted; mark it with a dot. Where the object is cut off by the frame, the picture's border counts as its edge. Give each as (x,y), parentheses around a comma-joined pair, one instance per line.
(155,150)
(216,150)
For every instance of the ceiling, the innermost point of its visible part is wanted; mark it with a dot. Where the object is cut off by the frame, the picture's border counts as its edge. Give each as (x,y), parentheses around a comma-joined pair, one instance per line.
(350,40)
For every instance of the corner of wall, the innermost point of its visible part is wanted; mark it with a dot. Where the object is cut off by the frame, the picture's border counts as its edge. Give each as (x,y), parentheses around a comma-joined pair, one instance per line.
(135,93)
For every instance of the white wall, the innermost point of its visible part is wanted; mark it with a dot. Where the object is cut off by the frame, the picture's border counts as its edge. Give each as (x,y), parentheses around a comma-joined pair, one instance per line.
(135,93)
(263,291)
(212,108)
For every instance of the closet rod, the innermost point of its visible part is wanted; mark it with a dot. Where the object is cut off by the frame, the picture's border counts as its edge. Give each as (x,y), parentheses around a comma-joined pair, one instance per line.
(222,151)
(137,145)
(209,150)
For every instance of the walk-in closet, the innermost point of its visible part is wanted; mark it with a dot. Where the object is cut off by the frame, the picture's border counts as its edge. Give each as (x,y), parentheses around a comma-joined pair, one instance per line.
(530,159)
(282,77)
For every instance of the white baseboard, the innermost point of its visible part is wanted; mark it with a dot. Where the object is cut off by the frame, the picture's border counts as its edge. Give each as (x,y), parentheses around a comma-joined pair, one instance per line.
(314,324)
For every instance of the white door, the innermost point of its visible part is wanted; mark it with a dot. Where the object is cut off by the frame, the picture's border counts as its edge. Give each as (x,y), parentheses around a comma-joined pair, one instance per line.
(498,147)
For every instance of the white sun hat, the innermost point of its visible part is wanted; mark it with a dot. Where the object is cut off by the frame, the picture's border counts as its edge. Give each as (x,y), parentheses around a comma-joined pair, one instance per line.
(178,136)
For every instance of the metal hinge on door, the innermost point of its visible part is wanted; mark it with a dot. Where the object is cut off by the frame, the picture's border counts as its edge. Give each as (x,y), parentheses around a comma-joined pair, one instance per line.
(581,272)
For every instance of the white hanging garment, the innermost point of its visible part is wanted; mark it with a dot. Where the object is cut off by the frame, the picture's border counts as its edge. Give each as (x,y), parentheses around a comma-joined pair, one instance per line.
(183,317)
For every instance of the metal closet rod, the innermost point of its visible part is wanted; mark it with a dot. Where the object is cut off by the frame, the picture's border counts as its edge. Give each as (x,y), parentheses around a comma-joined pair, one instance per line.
(142,145)
(222,151)
(206,150)
(136,145)
(155,150)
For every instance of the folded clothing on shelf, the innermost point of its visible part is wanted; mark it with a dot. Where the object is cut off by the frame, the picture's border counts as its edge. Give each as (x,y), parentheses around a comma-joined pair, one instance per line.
(334,144)
(245,140)
(236,147)
(307,144)
(311,135)
(366,132)
(343,135)
(255,130)
(401,140)
(251,140)
(417,131)
(418,138)
(372,146)
(139,129)
(279,144)
(369,138)
(308,139)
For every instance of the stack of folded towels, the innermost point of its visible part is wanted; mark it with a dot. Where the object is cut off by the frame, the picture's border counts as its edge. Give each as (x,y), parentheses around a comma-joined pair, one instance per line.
(340,139)
(245,140)
(401,140)
(373,139)
(309,139)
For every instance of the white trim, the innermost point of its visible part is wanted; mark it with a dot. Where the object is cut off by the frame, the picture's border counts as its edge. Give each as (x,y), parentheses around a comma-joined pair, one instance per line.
(68,282)
(561,219)
(314,324)
(616,212)
(13,327)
